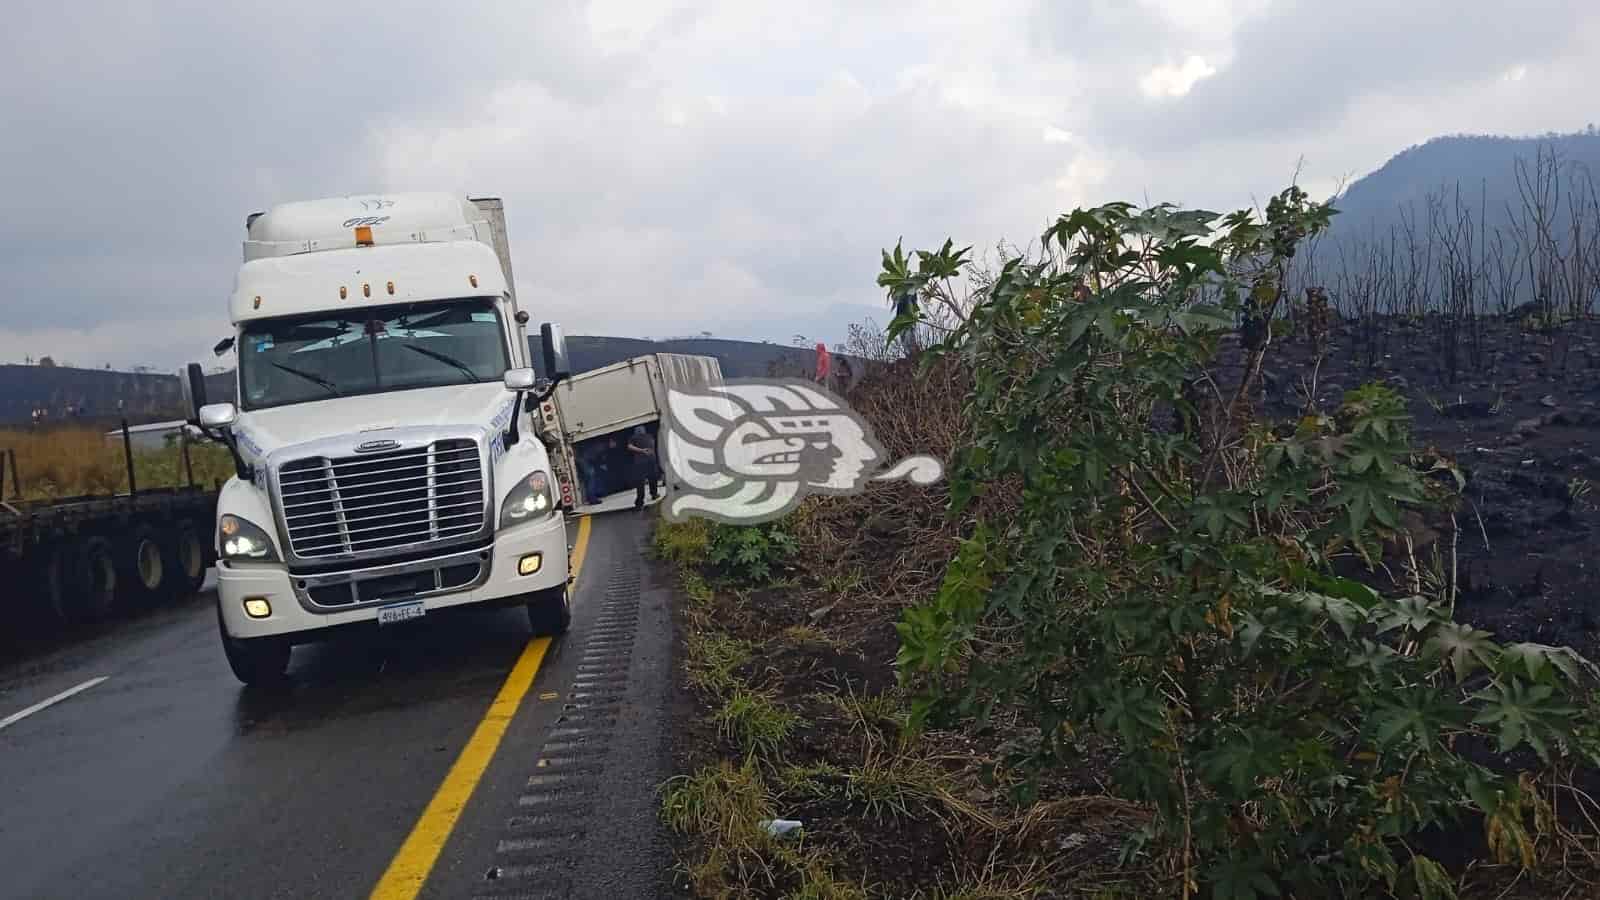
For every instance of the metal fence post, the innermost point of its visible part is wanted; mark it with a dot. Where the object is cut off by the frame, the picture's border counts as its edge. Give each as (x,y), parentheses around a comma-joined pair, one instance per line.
(127,455)
(188,464)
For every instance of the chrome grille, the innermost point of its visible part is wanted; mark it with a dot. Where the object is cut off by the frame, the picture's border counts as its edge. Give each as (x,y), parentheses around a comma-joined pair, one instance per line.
(335,506)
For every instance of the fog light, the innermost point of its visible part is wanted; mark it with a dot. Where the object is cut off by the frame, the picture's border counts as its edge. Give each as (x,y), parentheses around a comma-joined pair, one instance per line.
(530,564)
(257,607)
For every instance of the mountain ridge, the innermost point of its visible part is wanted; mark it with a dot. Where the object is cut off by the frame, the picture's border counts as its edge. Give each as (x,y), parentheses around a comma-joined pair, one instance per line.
(1485,167)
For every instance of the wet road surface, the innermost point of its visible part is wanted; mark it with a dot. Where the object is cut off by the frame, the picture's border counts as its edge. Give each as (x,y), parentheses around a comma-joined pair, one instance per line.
(169,779)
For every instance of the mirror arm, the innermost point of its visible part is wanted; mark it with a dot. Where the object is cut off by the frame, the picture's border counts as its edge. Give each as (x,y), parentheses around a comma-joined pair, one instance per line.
(548,392)
(513,432)
(224,436)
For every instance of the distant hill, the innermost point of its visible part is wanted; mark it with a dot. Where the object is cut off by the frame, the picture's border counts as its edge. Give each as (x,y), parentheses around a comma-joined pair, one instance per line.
(100,396)
(96,396)
(1484,167)
(739,359)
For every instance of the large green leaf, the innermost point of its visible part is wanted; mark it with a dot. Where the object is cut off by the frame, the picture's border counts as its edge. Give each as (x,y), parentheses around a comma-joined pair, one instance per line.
(1412,613)
(1418,713)
(1537,659)
(1348,588)
(1374,658)
(1523,713)
(1465,647)
(1433,882)
(1242,878)
(1341,611)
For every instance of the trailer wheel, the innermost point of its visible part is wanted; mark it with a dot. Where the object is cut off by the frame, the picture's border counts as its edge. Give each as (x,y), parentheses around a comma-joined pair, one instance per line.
(148,572)
(92,580)
(52,571)
(254,661)
(549,612)
(188,555)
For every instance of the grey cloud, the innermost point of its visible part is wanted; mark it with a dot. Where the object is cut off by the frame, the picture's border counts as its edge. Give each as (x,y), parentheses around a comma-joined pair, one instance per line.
(147,132)
(1128,33)
(144,133)
(1301,65)
(797,195)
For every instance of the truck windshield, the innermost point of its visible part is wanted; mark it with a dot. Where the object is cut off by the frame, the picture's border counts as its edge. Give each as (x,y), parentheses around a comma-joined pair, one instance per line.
(368,350)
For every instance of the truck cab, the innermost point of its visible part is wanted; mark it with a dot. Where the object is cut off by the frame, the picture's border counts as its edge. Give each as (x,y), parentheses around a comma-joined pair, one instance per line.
(387,461)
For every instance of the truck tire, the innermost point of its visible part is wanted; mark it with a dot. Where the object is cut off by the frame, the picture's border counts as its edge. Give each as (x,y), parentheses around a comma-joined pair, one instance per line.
(91,580)
(188,555)
(52,568)
(254,661)
(147,571)
(549,612)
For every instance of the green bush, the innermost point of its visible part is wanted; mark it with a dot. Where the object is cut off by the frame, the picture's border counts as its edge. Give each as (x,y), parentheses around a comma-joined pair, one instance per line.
(1169,587)
(750,553)
(685,543)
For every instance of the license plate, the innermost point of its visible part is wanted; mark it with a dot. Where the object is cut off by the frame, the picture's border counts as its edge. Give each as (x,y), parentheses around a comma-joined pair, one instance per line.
(400,612)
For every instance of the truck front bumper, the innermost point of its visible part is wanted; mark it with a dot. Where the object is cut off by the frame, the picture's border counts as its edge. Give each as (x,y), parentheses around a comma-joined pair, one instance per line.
(297,614)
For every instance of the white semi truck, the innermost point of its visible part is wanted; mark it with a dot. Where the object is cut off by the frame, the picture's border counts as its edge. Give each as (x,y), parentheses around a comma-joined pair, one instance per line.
(383,436)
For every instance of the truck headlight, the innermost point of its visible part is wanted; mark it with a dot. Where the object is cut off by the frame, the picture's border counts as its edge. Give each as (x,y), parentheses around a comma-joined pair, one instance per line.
(244,540)
(530,499)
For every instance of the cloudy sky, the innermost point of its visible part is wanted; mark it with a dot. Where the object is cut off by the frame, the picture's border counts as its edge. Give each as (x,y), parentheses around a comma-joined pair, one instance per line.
(670,168)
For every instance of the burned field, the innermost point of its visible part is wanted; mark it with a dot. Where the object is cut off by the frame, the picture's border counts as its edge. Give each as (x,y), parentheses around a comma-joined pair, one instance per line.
(1521,420)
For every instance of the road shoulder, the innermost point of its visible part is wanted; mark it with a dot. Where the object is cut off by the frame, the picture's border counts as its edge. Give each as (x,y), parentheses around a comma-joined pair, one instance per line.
(567,807)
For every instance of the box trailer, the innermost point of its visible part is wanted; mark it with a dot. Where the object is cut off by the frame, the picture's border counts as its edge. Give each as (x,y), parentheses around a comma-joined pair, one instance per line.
(611,401)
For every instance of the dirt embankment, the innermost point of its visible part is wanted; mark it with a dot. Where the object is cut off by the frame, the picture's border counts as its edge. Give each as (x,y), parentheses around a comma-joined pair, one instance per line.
(1520,415)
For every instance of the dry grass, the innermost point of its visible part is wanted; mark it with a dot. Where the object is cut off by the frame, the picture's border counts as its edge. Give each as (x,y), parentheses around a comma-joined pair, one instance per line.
(755,721)
(888,546)
(72,462)
(848,767)
(723,806)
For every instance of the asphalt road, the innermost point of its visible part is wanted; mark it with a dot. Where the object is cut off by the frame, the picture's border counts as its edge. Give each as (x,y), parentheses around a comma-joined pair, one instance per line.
(169,780)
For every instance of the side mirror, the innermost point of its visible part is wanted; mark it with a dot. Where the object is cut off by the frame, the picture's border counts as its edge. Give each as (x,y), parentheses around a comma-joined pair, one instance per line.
(556,363)
(223,346)
(216,421)
(218,415)
(520,379)
(192,382)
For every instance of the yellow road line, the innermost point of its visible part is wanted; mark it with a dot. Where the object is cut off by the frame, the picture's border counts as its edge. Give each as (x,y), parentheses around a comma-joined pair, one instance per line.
(409,869)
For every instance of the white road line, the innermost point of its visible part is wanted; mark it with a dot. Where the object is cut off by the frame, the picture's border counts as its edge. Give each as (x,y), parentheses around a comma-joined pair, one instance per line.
(16,717)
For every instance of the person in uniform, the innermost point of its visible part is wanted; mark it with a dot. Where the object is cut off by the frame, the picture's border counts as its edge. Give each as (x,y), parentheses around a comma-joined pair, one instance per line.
(642,448)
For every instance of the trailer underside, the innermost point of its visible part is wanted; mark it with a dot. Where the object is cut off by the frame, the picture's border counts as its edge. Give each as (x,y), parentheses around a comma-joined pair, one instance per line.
(75,560)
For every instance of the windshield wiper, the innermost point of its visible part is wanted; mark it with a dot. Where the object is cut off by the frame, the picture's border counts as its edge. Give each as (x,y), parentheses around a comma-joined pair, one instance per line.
(446,359)
(314,379)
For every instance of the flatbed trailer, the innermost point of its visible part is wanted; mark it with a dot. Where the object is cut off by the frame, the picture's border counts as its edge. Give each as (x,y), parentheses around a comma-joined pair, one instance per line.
(71,560)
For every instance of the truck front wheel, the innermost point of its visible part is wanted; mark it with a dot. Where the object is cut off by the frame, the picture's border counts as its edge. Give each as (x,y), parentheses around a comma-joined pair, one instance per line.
(549,612)
(254,661)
